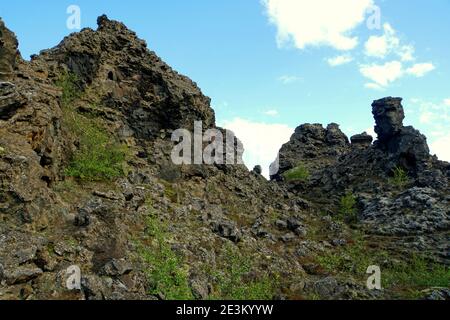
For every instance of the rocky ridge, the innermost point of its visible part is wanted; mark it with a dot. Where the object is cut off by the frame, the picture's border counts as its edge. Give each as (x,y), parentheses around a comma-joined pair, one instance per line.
(206,218)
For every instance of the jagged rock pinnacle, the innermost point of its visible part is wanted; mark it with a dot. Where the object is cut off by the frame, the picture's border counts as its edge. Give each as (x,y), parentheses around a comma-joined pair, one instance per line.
(389,115)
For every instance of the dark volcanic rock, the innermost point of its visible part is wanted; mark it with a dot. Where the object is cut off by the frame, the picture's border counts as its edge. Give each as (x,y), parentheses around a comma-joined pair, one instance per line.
(120,231)
(405,144)
(8,52)
(312,146)
(227,230)
(362,140)
(414,205)
(133,80)
(257,169)
(389,116)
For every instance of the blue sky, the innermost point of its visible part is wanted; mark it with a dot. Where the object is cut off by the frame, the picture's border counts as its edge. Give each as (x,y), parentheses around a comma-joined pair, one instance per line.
(272,65)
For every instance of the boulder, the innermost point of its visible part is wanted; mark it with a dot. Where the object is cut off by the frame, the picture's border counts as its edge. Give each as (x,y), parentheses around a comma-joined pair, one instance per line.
(227,230)
(257,169)
(362,140)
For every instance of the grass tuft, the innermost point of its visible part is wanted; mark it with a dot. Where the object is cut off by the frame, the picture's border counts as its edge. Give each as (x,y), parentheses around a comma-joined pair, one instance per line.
(299,173)
(400,178)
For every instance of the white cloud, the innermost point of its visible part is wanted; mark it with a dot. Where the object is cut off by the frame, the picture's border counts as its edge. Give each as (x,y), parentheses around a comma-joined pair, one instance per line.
(373,86)
(371,132)
(420,69)
(406,53)
(382,74)
(382,46)
(287,79)
(440,147)
(261,141)
(426,117)
(271,113)
(435,117)
(339,60)
(315,23)
(447,102)
(376,47)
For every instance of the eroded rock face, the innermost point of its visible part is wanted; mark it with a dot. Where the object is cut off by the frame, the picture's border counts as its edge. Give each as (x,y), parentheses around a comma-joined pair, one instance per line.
(362,140)
(312,146)
(140,101)
(8,52)
(406,144)
(398,161)
(49,222)
(132,82)
(389,116)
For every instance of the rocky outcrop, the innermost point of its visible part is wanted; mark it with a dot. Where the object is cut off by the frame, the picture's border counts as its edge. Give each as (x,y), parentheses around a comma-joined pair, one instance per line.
(312,146)
(200,223)
(127,78)
(404,143)
(8,52)
(398,161)
(362,140)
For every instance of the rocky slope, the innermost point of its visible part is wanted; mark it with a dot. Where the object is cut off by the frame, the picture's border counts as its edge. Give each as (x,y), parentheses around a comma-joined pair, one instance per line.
(87,180)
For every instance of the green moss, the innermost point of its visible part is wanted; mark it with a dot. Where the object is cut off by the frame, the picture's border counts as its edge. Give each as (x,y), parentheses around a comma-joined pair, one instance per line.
(299,173)
(234,281)
(164,268)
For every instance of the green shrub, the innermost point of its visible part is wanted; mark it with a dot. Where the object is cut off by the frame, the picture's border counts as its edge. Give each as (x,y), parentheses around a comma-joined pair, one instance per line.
(164,268)
(347,208)
(400,178)
(68,83)
(299,173)
(99,157)
(233,281)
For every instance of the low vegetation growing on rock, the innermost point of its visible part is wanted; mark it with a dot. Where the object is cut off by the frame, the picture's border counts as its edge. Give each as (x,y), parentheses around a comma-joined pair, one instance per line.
(98,155)
(299,173)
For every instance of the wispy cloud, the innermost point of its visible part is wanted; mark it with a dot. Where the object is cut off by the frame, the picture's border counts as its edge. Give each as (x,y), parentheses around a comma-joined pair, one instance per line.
(420,69)
(382,74)
(271,112)
(388,43)
(288,79)
(340,60)
(436,117)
